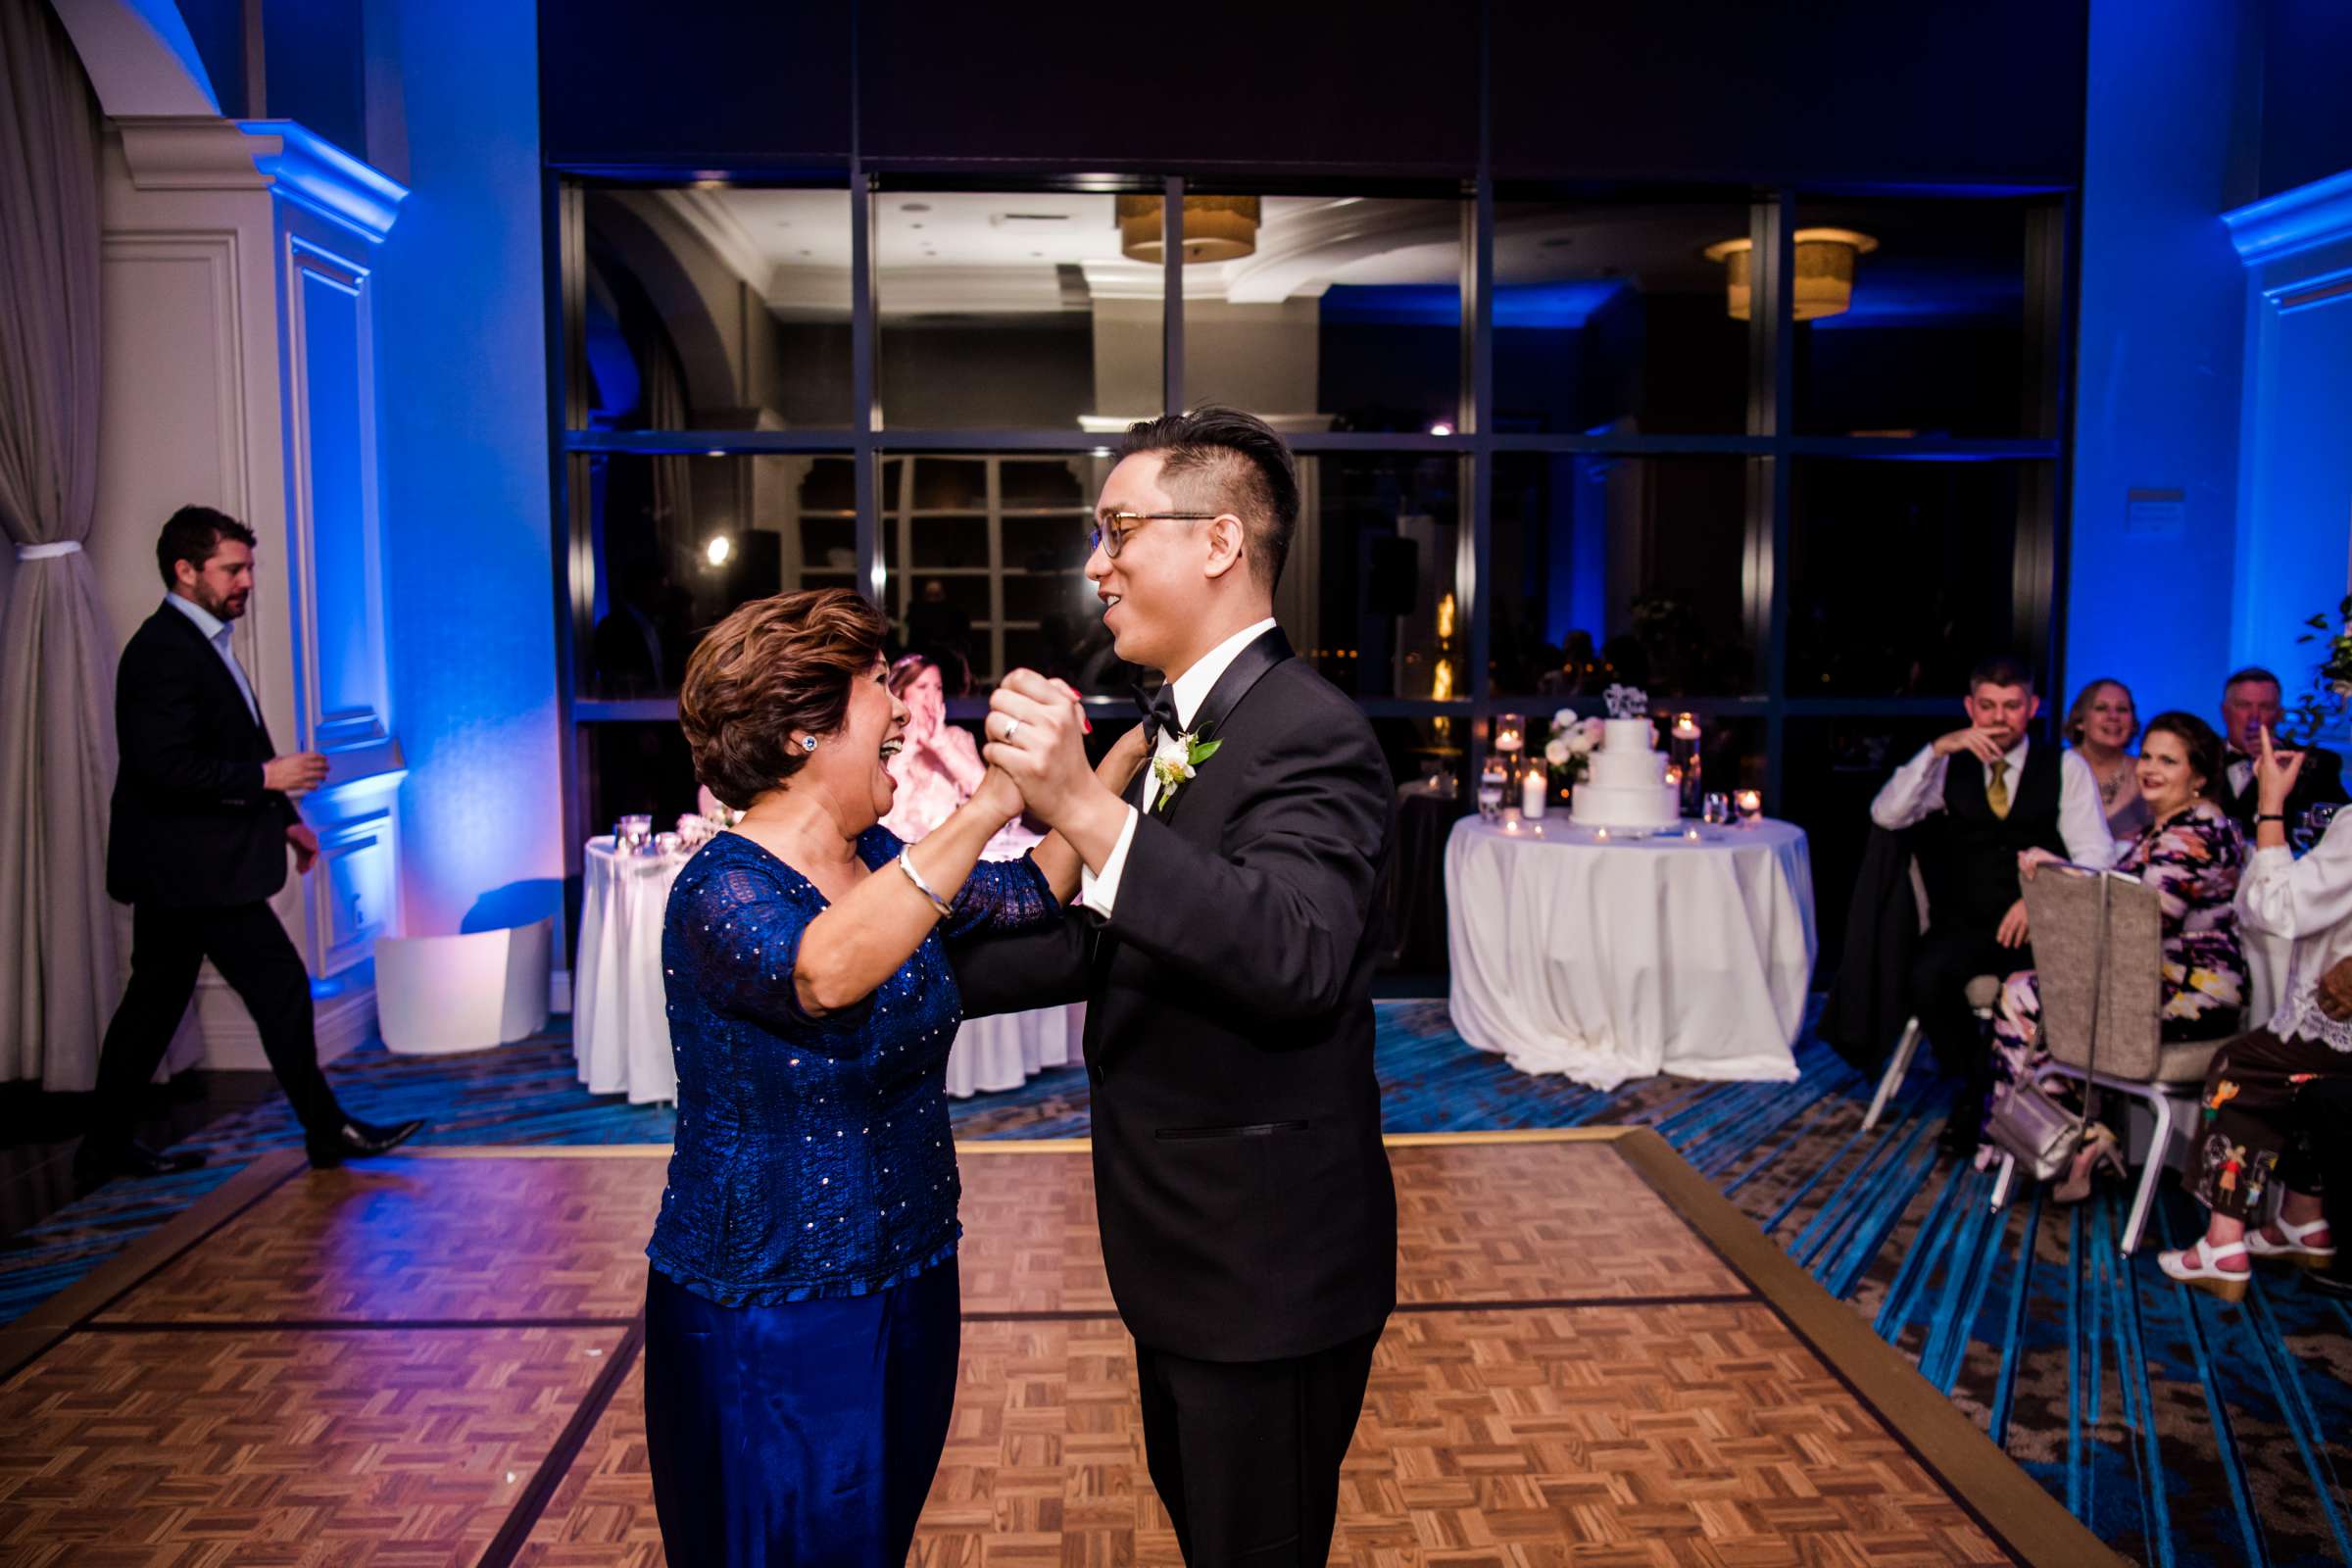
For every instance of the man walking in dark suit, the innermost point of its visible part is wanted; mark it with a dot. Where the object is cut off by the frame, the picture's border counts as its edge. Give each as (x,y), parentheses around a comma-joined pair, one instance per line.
(203,818)
(2250,705)
(1225,953)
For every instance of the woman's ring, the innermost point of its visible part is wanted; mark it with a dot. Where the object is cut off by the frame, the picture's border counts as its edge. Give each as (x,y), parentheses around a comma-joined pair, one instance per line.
(1013,727)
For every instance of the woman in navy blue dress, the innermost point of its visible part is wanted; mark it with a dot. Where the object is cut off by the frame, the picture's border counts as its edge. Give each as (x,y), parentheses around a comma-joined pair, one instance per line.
(802,1317)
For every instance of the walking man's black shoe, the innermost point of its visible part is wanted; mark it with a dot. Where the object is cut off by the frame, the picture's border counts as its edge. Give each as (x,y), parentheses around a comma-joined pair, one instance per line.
(357,1140)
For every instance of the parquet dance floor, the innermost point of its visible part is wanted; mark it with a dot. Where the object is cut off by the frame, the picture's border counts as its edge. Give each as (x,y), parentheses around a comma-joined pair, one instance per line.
(434,1360)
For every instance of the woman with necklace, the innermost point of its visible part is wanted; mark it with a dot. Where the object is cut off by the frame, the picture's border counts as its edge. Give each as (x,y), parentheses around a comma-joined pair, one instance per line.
(2102,726)
(2191,853)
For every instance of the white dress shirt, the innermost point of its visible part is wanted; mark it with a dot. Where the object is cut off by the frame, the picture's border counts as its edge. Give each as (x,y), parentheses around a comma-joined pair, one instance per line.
(2309,903)
(2240,768)
(1916,791)
(216,632)
(1099,890)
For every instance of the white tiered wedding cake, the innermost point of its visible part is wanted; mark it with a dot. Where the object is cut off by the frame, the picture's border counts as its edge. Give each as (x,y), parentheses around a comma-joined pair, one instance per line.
(1627,784)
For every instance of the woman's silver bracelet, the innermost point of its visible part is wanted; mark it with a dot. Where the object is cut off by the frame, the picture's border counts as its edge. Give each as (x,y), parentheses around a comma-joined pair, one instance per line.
(920,886)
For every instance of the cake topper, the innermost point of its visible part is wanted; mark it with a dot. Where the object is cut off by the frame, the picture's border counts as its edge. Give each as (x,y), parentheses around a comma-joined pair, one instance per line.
(1627,702)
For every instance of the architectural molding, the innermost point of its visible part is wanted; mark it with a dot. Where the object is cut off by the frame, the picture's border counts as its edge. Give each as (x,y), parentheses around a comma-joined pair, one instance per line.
(2293,221)
(200,151)
(190,152)
(307,169)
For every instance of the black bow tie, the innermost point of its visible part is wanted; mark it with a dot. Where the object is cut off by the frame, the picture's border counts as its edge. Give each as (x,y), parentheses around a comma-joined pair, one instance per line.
(1159,712)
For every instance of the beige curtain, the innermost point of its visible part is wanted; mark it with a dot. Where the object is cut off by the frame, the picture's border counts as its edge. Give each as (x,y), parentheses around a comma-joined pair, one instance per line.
(58,939)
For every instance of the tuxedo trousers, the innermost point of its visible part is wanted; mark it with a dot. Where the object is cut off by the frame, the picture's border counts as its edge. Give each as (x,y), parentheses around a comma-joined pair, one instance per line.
(249,945)
(1246,1455)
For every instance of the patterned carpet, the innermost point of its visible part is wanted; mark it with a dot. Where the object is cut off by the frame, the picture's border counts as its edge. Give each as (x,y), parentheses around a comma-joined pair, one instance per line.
(2183,1431)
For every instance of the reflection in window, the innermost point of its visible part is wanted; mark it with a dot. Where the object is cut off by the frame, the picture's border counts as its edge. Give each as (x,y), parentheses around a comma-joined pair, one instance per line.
(1904,574)
(1611,319)
(716,310)
(1933,339)
(1344,314)
(1369,592)
(679,540)
(985,560)
(1615,570)
(1018,311)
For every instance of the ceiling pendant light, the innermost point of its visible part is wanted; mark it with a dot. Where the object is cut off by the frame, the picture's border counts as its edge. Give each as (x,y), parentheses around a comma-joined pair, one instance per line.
(1217,228)
(1824,270)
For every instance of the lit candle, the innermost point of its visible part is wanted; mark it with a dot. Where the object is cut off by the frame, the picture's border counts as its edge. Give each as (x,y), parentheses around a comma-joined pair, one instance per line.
(1530,794)
(1751,804)
(1685,728)
(1601,835)
(1691,833)
(1674,776)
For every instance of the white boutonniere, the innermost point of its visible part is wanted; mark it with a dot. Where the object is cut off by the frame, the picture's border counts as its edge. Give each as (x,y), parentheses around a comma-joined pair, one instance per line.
(1174,772)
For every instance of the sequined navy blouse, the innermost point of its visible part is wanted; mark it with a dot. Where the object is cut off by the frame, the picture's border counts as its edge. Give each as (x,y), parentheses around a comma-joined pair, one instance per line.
(813,1156)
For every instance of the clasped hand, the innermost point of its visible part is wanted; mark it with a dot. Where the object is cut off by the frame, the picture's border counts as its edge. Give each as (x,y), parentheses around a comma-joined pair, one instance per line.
(1036,741)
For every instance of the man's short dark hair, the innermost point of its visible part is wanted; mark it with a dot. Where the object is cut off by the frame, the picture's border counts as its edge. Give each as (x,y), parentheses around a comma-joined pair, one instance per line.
(2000,671)
(2248,676)
(193,534)
(1222,459)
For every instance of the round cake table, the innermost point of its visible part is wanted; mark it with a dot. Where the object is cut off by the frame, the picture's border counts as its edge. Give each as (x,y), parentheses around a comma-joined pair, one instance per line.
(1607,955)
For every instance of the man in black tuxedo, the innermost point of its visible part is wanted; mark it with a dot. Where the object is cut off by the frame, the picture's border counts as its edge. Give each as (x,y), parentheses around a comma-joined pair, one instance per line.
(203,818)
(1225,953)
(2250,705)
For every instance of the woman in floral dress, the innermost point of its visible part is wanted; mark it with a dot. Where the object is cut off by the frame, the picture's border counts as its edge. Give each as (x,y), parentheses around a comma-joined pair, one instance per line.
(2192,855)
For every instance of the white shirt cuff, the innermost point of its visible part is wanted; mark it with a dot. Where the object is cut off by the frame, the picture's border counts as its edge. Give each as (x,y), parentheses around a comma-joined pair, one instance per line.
(1098,891)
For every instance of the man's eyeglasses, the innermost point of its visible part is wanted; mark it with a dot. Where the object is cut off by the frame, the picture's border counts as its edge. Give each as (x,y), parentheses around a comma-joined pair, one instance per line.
(1110,533)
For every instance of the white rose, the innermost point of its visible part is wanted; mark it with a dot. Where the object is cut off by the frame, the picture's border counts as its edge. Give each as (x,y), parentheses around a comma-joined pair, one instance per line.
(1557,751)
(1565,718)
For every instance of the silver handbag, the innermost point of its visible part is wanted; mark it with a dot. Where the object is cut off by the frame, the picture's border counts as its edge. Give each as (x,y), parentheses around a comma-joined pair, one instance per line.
(2028,1124)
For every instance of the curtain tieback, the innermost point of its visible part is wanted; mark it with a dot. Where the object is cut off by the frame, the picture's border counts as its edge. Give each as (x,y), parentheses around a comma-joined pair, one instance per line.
(64,547)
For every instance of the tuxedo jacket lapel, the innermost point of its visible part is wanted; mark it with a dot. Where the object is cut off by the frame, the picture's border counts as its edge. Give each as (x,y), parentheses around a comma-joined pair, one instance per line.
(1247,668)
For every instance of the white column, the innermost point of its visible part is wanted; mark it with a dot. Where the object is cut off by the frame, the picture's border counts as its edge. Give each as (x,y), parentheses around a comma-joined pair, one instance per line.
(239,371)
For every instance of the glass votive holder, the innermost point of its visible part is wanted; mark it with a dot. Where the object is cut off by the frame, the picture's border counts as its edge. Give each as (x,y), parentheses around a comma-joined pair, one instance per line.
(667,843)
(634,830)
(1715,808)
(1750,806)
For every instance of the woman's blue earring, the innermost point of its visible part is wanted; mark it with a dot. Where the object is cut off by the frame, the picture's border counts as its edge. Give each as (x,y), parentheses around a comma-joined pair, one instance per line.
(808,743)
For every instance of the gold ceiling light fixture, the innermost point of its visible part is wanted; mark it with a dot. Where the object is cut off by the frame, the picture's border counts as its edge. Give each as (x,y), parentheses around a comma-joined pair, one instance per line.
(1217,228)
(1824,270)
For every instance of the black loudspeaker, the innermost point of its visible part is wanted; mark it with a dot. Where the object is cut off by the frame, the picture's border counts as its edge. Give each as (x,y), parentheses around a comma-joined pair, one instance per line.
(1391,575)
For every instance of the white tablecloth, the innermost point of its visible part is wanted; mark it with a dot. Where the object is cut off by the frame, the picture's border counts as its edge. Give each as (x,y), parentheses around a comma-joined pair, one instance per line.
(1627,958)
(619,1017)
(619,1013)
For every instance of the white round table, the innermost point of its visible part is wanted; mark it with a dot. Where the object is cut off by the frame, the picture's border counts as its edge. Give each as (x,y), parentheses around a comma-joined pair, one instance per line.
(1607,956)
(619,1012)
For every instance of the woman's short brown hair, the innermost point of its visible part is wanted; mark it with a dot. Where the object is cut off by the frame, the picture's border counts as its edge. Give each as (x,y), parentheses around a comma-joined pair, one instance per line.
(2197,738)
(774,667)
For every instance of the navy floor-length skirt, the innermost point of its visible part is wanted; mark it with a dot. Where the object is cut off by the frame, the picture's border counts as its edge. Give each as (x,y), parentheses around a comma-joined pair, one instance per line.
(803,1434)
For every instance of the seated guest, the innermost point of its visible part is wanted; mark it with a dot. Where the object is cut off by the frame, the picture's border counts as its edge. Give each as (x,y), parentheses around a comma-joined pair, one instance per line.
(2250,710)
(939,768)
(801,1315)
(1973,802)
(2192,855)
(2101,725)
(2252,1139)
(2327,1107)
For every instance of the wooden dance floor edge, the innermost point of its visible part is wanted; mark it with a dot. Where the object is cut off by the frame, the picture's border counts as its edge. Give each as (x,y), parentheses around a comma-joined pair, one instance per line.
(2011,1509)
